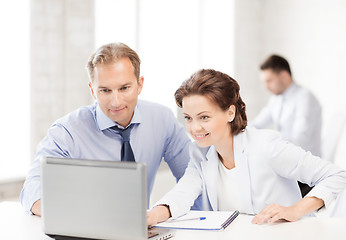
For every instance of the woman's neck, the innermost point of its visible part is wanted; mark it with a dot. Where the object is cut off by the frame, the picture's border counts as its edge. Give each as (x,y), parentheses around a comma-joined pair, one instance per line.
(225,152)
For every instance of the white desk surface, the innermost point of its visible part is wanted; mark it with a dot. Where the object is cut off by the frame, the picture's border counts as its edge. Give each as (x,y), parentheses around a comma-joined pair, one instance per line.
(15,223)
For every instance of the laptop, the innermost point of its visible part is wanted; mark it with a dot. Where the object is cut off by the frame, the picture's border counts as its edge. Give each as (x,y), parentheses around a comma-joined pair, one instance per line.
(93,199)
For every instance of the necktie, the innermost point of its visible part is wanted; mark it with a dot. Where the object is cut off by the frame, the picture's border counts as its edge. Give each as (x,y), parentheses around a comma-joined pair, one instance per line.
(126,150)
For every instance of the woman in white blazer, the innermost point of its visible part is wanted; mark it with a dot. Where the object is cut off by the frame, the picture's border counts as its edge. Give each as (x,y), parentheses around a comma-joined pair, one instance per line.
(236,167)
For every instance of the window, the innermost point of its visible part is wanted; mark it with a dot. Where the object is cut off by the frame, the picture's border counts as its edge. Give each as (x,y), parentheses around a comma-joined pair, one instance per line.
(15,86)
(115,21)
(173,39)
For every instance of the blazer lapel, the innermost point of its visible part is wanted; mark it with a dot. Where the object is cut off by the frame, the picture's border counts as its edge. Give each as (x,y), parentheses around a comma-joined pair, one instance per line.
(242,172)
(210,171)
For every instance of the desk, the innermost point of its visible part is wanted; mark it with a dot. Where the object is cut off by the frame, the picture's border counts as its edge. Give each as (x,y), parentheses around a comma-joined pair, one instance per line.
(17,224)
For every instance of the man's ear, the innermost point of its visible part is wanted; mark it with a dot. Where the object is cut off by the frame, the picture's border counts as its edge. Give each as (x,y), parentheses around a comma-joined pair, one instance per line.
(231,113)
(284,75)
(140,84)
(92,90)
(285,79)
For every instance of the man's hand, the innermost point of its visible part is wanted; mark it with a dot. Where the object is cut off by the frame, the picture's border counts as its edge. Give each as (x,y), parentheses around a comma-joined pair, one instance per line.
(158,214)
(36,208)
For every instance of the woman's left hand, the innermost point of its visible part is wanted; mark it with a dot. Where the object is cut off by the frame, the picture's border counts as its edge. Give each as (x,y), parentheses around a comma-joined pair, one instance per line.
(275,212)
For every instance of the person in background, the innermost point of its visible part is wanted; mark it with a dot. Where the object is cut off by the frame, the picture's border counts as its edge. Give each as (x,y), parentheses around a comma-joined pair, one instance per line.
(118,127)
(292,110)
(237,167)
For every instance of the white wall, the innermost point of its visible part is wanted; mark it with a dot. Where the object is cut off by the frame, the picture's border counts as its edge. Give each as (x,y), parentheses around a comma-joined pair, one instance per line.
(15,89)
(62,38)
(248,42)
(176,38)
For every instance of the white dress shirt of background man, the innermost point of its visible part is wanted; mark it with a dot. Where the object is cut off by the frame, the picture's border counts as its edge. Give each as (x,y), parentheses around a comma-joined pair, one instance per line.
(292,110)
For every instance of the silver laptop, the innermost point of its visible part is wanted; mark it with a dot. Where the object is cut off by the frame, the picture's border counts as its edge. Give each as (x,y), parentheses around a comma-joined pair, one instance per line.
(95,199)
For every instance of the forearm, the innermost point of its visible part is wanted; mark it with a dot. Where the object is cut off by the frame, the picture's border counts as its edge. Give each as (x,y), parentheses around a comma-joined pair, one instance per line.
(31,191)
(307,205)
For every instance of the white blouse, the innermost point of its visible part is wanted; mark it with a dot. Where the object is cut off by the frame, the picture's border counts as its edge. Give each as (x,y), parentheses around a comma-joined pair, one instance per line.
(227,188)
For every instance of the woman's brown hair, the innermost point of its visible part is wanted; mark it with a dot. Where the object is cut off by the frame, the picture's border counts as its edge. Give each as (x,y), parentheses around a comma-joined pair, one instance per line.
(219,88)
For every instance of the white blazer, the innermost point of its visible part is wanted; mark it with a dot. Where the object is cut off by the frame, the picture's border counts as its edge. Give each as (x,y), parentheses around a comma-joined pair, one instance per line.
(267,171)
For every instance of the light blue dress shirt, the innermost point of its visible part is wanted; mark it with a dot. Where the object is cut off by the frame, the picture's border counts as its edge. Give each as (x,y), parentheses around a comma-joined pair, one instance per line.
(86,134)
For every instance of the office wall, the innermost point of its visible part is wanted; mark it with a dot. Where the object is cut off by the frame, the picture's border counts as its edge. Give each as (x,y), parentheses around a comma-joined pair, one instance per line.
(248,50)
(62,37)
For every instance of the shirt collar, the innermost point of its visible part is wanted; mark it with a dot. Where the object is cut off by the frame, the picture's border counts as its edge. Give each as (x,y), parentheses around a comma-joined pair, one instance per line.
(290,90)
(105,122)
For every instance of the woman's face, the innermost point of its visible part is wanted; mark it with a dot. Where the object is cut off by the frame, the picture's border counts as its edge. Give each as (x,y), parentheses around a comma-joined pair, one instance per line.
(207,123)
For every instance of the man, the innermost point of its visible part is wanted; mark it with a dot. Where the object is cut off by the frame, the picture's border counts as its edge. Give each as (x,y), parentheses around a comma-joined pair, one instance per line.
(96,132)
(292,110)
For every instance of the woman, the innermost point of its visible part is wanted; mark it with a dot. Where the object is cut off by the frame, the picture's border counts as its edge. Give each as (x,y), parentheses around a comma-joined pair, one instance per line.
(239,167)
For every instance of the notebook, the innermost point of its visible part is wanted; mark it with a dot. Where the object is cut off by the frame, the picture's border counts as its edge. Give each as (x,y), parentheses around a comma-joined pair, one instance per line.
(201,220)
(95,199)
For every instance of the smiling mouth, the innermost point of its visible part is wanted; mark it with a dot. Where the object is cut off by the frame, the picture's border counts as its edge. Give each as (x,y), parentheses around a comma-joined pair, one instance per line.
(200,136)
(116,110)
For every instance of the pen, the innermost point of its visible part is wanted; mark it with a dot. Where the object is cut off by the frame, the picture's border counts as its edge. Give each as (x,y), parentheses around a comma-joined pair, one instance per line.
(189,219)
(230,219)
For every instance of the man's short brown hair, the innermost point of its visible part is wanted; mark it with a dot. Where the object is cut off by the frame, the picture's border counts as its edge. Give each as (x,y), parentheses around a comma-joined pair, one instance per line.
(110,53)
(276,63)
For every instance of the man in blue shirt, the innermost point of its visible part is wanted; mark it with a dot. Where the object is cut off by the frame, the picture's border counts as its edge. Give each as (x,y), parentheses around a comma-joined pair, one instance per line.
(89,132)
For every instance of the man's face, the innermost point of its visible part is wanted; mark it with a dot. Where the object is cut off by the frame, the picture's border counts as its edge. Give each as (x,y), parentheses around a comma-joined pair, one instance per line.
(273,81)
(116,89)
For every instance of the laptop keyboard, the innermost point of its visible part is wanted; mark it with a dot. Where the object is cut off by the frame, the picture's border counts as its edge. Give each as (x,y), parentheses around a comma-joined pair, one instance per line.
(152,234)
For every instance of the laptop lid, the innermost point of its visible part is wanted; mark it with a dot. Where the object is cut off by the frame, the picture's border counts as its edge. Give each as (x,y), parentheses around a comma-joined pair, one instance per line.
(94,199)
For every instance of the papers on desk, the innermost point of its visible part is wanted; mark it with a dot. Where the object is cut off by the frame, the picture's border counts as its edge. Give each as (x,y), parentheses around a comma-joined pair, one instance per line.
(214,220)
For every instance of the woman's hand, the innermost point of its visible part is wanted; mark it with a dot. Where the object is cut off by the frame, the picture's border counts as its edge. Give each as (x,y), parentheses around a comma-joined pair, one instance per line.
(275,212)
(158,214)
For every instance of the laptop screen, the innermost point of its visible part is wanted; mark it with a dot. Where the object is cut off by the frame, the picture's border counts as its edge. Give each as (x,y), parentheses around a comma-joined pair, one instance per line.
(94,199)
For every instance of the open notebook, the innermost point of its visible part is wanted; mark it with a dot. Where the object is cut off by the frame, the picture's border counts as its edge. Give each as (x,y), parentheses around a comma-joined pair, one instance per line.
(212,220)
